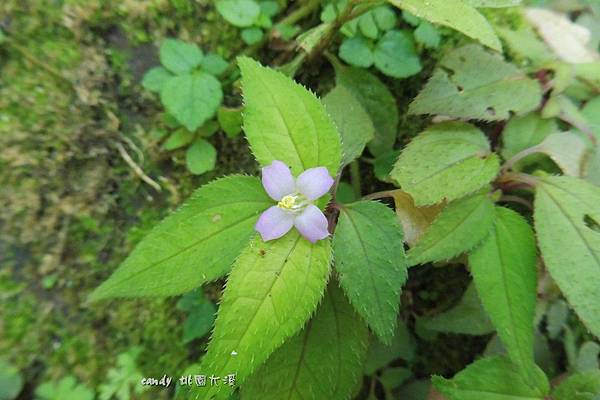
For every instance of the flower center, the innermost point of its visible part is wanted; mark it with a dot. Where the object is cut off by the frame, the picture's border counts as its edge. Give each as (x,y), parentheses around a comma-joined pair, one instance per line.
(292,202)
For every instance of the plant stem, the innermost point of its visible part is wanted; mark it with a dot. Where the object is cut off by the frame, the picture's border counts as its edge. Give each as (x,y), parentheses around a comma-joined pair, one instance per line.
(518,157)
(355,178)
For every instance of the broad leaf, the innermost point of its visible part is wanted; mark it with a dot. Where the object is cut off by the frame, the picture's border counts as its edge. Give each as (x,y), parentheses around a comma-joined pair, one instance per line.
(492,378)
(377,101)
(214,64)
(566,219)
(181,137)
(445,162)
(352,120)
(196,244)
(230,120)
(567,150)
(493,3)
(370,260)
(455,14)
(284,121)
(200,157)
(357,51)
(461,226)
(180,57)
(523,132)
(395,55)
(192,98)
(323,361)
(155,79)
(505,275)
(415,220)
(472,83)
(580,386)
(467,317)
(241,13)
(271,292)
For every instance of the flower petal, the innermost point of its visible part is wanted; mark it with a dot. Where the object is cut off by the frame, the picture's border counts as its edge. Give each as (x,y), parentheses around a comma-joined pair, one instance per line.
(274,223)
(277,180)
(314,182)
(312,224)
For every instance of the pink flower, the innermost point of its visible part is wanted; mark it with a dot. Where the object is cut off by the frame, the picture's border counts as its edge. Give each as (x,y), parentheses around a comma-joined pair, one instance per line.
(295,199)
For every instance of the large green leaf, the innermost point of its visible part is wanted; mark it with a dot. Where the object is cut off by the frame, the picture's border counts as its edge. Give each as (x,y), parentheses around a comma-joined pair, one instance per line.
(492,378)
(493,3)
(581,386)
(196,244)
(272,290)
(370,260)
(567,216)
(455,14)
(192,98)
(472,83)
(377,100)
(323,361)
(461,226)
(284,121)
(180,57)
(351,119)
(445,162)
(504,272)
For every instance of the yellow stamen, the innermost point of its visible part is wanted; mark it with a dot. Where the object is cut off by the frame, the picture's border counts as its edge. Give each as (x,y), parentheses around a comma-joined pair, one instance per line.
(287,202)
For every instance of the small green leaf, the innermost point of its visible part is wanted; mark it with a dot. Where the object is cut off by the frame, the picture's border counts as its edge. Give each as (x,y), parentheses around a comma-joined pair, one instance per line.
(252,35)
(201,315)
(230,120)
(352,120)
(446,162)
(566,214)
(269,8)
(192,98)
(196,244)
(580,386)
(273,289)
(461,226)
(455,14)
(214,64)
(11,381)
(181,137)
(467,317)
(427,35)
(180,57)
(384,163)
(395,55)
(155,79)
(492,378)
(66,388)
(385,17)
(323,361)
(472,83)
(587,359)
(370,260)
(377,101)
(505,275)
(366,24)
(241,13)
(200,157)
(403,347)
(523,132)
(357,51)
(275,128)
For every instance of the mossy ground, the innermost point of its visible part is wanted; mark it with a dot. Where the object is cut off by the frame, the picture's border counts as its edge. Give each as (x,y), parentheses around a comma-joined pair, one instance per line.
(71,208)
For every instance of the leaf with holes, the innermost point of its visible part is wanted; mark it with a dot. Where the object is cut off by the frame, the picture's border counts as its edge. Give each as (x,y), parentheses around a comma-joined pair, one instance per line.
(505,275)
(472,83)
(370,260)
(567,220)
(461,226)
(272,290)
(284,121)
(446,162)
(196,244)
(323,361)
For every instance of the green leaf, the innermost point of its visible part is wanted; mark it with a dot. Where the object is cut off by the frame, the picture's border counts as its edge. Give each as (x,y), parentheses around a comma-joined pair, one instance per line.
(581,386)
(180,57)
(11,381)
(566,214)
(201,315)
(392,378)
(367,26)
(269,8)
(467,317)
(505,275)
(370,260)
(377,101)
(323,361)
(241,13)
(446,162)
(587,359)
(200,157)
(461,226)
(230,120)
(493,3)
(196,244)
(192,98)
(455,14)
(275,128)
(427,35)
(357,51)
(384,163)
(472,83)
(272,290)
(403,347)
(66,388)
(252,35)
(395,55)
(214,64)
(352,121)
(181,137)
(385,17)
(567,149)
(123,379)
(523,132)
(492,378)
(155,79)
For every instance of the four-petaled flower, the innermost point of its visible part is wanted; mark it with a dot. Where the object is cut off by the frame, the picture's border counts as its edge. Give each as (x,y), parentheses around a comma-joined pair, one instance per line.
(295,199)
